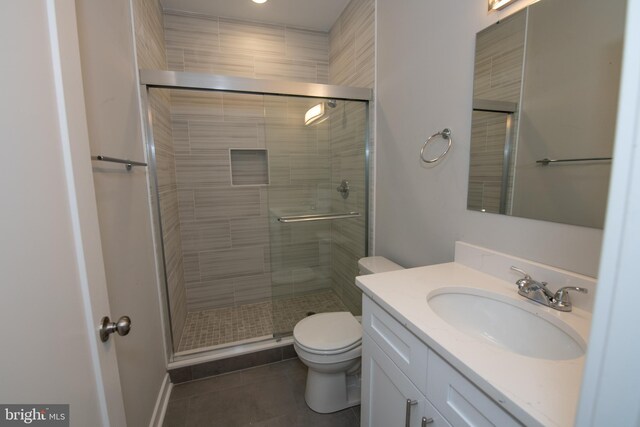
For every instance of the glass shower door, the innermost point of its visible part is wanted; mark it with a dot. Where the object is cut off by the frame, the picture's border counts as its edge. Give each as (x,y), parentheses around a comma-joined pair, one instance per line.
(317,204)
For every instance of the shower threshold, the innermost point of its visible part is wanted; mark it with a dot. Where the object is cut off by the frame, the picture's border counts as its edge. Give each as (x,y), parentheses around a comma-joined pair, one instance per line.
(254,322)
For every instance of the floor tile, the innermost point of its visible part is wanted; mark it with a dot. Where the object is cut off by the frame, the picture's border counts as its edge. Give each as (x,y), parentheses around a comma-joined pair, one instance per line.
(266,396)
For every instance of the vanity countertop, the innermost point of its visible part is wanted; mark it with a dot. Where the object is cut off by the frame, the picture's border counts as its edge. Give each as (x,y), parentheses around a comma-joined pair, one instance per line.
(536,391)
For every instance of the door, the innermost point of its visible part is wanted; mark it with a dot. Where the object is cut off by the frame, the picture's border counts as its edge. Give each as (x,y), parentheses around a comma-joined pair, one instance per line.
(53,282)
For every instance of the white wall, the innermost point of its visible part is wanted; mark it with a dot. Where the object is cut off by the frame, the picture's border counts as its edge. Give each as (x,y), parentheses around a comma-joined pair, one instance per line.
(425,51)
(113,115)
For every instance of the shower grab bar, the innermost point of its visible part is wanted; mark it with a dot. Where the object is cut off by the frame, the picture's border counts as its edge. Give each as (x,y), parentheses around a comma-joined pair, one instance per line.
(317,217)
(545,162)
(127,163)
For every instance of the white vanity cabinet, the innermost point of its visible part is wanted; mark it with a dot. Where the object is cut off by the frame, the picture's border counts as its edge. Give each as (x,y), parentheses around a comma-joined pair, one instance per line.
(405,383)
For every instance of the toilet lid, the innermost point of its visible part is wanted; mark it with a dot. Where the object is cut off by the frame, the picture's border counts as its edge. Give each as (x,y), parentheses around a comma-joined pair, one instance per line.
(328,331)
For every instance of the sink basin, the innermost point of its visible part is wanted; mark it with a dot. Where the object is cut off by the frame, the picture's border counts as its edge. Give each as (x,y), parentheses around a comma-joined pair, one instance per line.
(517,326)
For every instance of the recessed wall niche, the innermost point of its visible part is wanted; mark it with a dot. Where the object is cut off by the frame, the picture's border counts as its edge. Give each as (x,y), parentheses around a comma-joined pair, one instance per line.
(249,166)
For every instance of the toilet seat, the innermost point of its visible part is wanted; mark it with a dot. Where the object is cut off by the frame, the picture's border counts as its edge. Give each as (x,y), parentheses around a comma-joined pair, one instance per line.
(328,333)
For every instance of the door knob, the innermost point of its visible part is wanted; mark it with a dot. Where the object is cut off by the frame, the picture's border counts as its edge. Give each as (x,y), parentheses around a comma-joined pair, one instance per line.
(107,327)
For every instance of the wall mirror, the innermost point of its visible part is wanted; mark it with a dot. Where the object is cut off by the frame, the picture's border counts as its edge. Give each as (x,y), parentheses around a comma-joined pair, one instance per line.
(544,110)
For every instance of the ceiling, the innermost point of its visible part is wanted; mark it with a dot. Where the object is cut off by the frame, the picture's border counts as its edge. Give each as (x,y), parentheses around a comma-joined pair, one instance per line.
(313,14)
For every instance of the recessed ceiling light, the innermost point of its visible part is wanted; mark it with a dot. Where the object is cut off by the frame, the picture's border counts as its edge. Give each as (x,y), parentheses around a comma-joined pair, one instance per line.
(259,1)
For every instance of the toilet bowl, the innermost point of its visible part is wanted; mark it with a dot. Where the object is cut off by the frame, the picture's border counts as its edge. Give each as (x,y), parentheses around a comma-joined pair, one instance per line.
(330,345)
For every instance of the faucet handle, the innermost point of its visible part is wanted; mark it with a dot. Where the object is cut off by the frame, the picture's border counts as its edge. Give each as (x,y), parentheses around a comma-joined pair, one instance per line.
(519,270)
(563,295)
(561,298)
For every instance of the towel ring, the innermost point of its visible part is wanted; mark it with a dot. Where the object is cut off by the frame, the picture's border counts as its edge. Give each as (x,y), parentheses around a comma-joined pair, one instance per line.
(446,134)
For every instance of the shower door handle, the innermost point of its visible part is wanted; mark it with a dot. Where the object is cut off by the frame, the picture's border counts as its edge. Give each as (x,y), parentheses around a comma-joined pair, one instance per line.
(107,327)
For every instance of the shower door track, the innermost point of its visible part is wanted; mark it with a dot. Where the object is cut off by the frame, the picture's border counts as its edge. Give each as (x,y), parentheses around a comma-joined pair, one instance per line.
(200,81)
(157,79)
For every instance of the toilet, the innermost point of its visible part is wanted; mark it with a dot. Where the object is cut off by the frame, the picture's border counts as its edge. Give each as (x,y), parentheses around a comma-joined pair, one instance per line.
(330,344)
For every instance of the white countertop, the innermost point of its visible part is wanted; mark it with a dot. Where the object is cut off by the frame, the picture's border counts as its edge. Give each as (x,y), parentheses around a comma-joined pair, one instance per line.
(535,391)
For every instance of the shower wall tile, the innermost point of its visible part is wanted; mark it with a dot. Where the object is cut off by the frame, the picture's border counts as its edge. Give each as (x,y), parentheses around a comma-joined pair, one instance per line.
(244,108)
(306,168)
(342,64)
(150,49)
(286,69)
(323,72)
(148,26)
(175,59)
(306,44)
(243,261)
(310,280)
(190,31)
(204,61)
(351,45)
(192,105)
(203,170)
(249,231)
(226,203)
(204,136)
(279,169)
(186,205)
(180,133)
(252,38)
(209,294)
(205,126)
(205,235)
(191,265)
(351,62)
(210,44)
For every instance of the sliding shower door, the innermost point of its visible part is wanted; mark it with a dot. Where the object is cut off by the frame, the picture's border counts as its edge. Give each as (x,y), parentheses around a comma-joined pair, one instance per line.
(261,205)
(317,201)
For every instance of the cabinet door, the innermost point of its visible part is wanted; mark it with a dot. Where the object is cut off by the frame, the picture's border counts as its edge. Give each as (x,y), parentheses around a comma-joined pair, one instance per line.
(385,391)
(460,400)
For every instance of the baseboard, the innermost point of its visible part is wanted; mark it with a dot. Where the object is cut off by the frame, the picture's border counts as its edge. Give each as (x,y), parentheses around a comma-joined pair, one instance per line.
(161,403)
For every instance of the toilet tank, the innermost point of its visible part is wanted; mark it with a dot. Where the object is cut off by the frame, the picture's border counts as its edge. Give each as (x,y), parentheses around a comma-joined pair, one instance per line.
(376,264)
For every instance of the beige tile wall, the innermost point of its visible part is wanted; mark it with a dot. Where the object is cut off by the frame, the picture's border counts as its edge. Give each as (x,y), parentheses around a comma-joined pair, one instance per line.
(352,63)
(499,60)
(225,229)
(231,47)
(148,22)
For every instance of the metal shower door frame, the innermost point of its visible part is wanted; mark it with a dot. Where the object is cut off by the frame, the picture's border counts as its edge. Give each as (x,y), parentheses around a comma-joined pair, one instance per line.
(181,80)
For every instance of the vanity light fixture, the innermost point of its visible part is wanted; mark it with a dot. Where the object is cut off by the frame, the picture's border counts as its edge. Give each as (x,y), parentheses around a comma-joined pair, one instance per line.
(498,4)
(259,1)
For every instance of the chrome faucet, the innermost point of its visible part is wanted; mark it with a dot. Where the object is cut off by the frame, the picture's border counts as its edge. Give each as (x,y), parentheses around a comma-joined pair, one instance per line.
(538,292)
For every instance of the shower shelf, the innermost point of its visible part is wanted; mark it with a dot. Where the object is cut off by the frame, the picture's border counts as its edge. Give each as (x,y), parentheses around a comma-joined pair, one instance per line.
(317,217)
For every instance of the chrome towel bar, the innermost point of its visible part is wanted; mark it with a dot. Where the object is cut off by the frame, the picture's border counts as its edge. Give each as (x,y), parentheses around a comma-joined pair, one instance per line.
(317,217)
(127,163)
(545,162)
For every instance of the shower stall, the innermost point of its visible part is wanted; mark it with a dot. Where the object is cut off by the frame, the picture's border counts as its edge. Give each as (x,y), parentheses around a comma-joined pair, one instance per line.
(260,190)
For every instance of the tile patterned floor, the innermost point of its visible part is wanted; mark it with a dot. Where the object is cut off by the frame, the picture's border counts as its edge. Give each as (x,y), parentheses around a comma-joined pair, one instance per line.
(231,324)
(270,395)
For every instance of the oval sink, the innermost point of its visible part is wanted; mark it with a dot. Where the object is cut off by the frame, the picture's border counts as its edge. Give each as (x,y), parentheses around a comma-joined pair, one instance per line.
(509,324)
